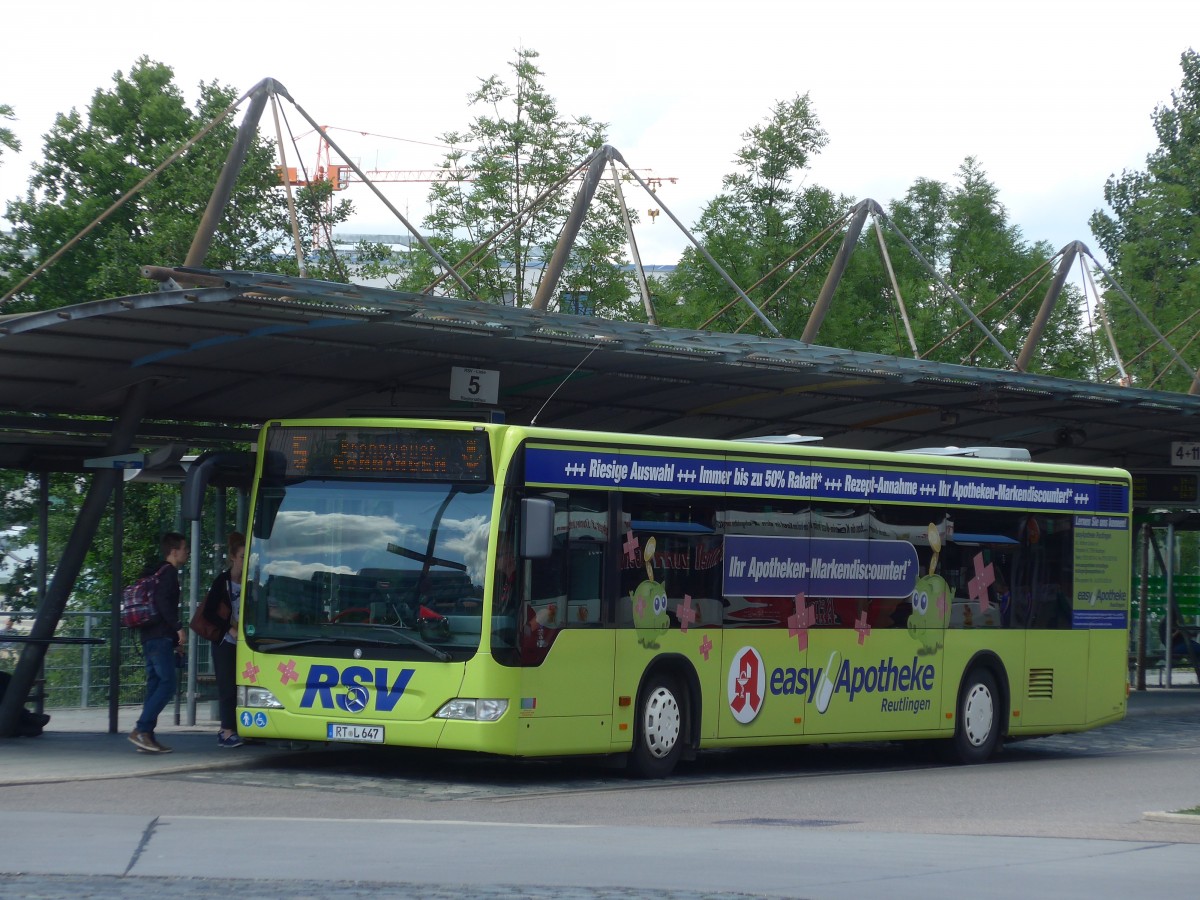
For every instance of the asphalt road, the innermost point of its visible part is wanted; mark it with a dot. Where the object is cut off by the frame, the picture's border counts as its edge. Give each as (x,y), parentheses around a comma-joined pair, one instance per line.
(1063,816)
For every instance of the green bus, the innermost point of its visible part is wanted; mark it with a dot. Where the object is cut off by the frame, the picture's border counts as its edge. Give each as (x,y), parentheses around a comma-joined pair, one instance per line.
(535,592)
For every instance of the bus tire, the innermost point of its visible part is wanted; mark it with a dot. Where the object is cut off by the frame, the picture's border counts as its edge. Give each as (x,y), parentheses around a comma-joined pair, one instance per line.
(977,732)
(658,734)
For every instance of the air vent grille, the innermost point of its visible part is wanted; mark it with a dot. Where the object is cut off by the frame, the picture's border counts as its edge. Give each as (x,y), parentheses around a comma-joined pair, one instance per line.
(1112,498)
(1041,684)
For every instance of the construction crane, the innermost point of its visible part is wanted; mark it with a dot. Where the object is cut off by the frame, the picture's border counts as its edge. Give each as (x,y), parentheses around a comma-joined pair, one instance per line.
(342,176)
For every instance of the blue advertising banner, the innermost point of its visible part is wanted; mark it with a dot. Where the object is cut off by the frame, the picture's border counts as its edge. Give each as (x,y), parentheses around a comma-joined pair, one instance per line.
(570,467)
(758,566)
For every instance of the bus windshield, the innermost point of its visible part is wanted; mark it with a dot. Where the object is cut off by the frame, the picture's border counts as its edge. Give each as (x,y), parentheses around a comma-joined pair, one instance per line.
(395,566)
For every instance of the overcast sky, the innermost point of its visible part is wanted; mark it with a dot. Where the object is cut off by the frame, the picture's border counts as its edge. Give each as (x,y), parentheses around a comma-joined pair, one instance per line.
(1052,98)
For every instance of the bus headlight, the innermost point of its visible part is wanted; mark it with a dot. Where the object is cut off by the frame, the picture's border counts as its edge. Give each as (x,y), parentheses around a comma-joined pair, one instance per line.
(257,697)
(472,710)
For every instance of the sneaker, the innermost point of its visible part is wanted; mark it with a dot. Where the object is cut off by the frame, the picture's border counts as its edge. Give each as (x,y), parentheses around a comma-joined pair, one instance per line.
(234,740)
(144,742)
(160,748)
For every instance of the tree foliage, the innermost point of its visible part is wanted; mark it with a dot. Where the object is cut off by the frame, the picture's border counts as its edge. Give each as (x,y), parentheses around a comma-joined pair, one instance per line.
(754,229)
(777,237)
(1151,237)
(90,160)
(8,140)
(516,148)
(962,230)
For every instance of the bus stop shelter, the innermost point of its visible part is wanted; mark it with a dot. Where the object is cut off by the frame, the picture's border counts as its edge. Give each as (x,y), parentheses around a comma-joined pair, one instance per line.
(210,355)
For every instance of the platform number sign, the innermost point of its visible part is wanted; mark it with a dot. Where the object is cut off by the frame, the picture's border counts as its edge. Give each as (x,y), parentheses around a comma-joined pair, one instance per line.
(474,385)
(1185,453)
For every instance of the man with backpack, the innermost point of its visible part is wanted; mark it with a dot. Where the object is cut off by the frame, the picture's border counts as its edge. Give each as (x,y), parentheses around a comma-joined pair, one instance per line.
(161,640)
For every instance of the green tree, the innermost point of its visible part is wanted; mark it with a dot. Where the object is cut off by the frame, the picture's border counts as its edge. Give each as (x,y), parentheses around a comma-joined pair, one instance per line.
(963,231)
(515,149)
(755,228)
(8,140)
(91,160)
(1151,237)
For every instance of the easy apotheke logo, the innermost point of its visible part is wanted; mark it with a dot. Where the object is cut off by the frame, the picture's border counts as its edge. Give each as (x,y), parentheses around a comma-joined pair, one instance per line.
(746,685)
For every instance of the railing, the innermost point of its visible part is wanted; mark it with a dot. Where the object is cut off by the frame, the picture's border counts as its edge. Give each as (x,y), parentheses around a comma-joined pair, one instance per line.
(1187,602)
(78,675)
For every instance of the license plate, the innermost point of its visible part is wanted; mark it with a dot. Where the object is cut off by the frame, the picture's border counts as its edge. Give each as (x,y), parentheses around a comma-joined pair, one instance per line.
(363,734)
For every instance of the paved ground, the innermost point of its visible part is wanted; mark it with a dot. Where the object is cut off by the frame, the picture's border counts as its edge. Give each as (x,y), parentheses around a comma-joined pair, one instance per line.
(358,858)
(77,747)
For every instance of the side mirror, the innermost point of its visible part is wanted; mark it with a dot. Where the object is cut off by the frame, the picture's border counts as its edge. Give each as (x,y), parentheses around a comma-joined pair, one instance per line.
(537,528)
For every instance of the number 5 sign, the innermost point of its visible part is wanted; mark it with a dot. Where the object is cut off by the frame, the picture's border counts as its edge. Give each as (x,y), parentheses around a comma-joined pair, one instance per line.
(474,385)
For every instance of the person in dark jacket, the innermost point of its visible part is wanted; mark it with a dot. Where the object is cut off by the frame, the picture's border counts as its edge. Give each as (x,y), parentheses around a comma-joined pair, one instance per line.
(161,640)
(220,610)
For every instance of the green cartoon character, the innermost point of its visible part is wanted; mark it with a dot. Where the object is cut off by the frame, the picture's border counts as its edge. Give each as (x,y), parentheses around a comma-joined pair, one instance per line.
(650,604)
(930,603)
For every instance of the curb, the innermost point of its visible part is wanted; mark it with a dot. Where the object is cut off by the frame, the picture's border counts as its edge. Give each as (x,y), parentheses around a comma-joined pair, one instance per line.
(113,776)
(1189,818)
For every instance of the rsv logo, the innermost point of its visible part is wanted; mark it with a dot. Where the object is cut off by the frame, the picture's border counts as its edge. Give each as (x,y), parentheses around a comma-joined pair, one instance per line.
(322,680)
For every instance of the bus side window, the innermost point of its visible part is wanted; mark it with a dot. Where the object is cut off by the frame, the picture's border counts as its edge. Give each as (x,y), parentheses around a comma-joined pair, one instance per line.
(584,585)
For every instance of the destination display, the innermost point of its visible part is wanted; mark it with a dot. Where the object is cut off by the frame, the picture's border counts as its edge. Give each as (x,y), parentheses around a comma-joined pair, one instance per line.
(355,452)
(574,467)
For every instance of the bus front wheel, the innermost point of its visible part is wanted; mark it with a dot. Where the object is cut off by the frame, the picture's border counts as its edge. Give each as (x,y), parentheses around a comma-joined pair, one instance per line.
(658,730)
(978,729)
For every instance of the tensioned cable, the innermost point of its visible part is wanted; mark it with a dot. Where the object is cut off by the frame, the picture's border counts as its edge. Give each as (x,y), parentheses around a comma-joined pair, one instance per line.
(953,293)
(124,198)
(958,329)
(791,277)
(324,226)
(887,262)
(507,226)
(1012,309)
(287,184)
(1091,323)
(1103,314)
(828,228)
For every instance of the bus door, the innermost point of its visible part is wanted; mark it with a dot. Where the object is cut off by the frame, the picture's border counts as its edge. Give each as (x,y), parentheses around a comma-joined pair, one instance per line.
(566,650)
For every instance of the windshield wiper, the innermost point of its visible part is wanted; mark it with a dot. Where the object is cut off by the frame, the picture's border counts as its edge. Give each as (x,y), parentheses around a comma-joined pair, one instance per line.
(437,654)
(415,641)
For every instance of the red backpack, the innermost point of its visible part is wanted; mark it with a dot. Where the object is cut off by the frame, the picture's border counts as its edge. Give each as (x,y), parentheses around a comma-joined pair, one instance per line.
(137,601)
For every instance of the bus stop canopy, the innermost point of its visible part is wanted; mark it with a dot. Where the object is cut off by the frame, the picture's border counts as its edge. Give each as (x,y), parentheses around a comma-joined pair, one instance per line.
(211,355)
(225,351)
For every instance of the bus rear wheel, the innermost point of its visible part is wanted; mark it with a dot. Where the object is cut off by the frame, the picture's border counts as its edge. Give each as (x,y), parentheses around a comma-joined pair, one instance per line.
(658,730)
(977,732)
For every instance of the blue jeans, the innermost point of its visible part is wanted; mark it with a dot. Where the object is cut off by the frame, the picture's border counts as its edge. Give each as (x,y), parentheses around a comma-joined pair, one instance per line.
(160,680)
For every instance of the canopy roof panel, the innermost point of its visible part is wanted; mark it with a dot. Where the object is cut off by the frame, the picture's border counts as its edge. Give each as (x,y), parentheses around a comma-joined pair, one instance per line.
(254,347)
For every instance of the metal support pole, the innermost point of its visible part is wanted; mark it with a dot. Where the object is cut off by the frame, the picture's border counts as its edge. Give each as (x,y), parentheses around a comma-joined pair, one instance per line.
(1195,388)
(1143,606)
(1169,579)
(43,565)
(52,604)
(966,307)
(85,670)
(223,189)
(638,268)
(114,607)
(887,261)
(1040,321)
(566,240)
(725,276)
(420,238)
(193,642)
(833,279)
